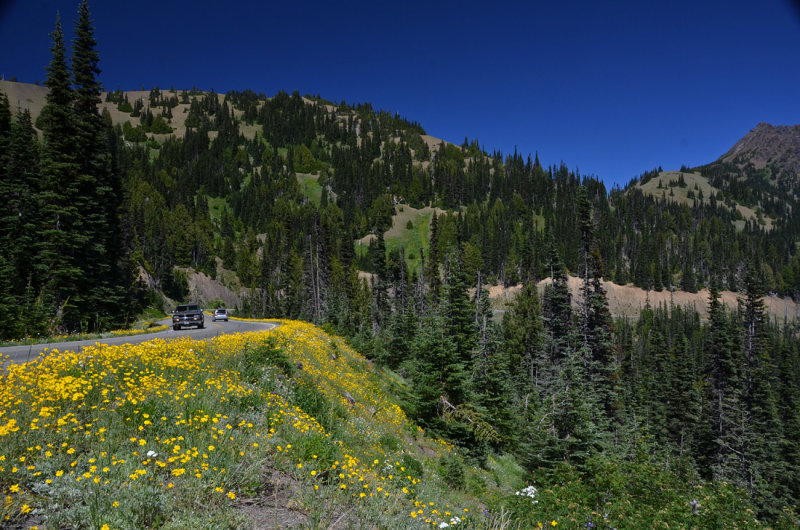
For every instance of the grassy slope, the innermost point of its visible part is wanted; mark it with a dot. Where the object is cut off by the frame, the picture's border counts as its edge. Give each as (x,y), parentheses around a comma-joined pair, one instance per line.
(289,425)
(694,183)
(285,428)
(32,97)
(399,235)
(309,186)
(411,239)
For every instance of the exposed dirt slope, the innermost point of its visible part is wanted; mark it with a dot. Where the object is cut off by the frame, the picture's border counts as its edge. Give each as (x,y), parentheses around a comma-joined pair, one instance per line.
(627,300)
(24,96)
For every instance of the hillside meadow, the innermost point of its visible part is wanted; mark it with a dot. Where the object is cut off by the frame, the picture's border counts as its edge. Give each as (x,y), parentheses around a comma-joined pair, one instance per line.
(289,427)
(284,428)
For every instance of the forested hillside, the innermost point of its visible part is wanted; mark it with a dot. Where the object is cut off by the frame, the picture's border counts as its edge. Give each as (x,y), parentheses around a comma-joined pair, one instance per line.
(111,197)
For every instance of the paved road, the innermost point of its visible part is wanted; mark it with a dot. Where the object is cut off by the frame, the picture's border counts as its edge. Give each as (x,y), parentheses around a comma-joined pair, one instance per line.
(21,354)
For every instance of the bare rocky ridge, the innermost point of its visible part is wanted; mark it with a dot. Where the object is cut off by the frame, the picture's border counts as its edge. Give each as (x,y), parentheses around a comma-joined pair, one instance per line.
(777,146)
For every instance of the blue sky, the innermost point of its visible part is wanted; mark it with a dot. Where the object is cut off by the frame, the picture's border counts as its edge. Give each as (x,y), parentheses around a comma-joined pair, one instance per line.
(610,88)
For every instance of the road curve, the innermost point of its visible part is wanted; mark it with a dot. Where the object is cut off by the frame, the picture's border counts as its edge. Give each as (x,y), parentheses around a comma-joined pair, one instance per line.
(28,352)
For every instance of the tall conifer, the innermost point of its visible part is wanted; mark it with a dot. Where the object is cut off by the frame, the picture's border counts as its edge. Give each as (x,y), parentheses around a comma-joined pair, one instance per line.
(100,194)
(61,234)
(19,224)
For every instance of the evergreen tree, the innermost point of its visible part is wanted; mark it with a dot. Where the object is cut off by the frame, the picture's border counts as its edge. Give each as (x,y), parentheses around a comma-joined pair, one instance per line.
(762,462)
(434,257)
(595,319)
(18,190)
(728,415)
(438,374)
(458,310)
(99,193)
(522,333)
(59,271)
(381,307)
(556,306)
(7,220)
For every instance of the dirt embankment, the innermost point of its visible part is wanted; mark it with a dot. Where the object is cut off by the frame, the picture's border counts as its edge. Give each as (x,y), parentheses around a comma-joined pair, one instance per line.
(627,300)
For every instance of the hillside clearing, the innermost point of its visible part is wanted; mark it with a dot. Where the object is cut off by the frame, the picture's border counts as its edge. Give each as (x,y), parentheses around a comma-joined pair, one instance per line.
(413,240)
(665,186)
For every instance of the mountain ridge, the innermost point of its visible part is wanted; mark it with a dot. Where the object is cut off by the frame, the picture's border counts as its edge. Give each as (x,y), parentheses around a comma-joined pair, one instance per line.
(777,146)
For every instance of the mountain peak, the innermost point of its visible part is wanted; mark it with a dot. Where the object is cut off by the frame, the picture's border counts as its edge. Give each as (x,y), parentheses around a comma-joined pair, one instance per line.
(777,146)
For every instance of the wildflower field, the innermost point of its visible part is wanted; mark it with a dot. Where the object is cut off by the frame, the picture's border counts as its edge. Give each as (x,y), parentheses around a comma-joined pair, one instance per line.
(286,428)
(186,433)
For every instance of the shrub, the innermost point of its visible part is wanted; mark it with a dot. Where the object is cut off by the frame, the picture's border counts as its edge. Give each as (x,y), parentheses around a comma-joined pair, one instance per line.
(256,359)
(315,404)
(413,466)
(389,443)
(451,469)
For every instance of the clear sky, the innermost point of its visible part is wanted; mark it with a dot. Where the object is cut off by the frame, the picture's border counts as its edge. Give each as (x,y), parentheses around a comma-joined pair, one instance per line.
(610,88)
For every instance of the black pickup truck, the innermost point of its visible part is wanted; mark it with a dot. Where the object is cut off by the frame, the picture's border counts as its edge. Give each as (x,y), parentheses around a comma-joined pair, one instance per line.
(188,315)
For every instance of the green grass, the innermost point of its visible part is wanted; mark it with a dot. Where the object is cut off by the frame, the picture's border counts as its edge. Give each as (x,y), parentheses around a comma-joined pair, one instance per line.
(412,240)
(215,206)
(310,187)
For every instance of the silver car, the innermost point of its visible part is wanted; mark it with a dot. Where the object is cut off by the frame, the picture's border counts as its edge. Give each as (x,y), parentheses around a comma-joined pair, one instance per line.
(220,314)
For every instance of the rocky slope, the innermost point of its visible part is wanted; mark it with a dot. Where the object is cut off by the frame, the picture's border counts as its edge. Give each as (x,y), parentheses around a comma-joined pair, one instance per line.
(777,146)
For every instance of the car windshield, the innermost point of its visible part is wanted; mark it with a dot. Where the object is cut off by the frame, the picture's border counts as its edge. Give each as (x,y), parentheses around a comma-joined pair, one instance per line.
(221,311)
(186,308)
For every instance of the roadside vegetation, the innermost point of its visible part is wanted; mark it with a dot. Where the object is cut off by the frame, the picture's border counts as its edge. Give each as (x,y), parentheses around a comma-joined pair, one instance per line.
(137,329)
(287,428)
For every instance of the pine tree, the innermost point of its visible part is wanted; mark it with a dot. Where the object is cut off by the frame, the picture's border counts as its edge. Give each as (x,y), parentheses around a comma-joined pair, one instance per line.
(728,414)
(59,271)
(380,295)
(99,192)
(434,257)
(437,373)
(763,466)
(595,319)
(18,189)
(492,375)
(5,122)
(444,399)
(7,221)
(751,306)
(556,306)
(459,312)
(522,333)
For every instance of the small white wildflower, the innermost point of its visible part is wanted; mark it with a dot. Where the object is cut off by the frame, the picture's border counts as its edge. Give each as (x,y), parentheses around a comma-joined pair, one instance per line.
(443,525)
(151,454)
(530,492)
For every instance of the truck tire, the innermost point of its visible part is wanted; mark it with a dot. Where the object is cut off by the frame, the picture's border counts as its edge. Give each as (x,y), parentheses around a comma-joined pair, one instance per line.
(175,328)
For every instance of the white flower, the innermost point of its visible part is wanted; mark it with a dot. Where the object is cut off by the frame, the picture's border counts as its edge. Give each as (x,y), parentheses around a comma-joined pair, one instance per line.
(443,525)
(151,454)
(529,491)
